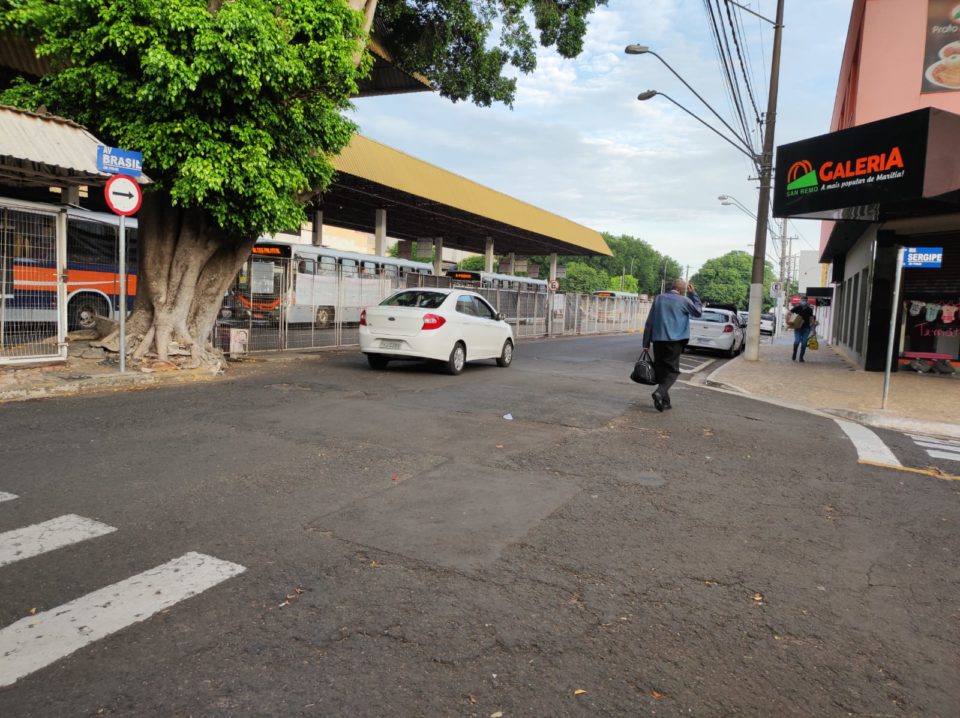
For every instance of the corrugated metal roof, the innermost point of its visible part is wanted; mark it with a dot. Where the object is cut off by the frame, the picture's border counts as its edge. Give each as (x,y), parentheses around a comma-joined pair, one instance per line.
(44,149)
(388,167)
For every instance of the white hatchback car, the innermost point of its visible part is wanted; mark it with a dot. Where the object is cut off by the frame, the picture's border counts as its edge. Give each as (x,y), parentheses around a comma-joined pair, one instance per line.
(452,326)
(717,329)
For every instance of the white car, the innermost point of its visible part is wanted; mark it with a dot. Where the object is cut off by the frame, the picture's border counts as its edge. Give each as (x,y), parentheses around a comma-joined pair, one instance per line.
(766,323)
(717,329)
(452,326)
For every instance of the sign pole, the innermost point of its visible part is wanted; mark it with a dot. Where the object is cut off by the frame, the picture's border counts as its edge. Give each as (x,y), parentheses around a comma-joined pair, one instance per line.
(893,327)
(123,295)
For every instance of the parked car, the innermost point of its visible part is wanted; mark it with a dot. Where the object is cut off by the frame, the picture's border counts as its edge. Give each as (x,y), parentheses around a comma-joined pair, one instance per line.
(718,330)
(743,316)
(767,322)
(452,326)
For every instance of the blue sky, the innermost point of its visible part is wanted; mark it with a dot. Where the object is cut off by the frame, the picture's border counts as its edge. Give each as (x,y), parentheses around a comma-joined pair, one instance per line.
(579,144)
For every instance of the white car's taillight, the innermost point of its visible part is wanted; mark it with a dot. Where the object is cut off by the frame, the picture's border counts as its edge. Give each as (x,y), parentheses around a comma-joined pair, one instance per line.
(726,330)
(363,318)
(432,321)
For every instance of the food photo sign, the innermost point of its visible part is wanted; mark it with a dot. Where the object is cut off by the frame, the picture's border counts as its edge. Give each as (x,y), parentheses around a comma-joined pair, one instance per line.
(941,57)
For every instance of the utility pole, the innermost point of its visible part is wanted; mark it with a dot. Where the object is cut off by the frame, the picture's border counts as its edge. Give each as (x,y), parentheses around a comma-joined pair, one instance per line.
(752,352)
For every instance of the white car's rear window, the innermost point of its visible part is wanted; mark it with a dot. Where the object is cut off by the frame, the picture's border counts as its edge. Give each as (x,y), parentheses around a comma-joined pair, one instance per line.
(415,298)
(717,317)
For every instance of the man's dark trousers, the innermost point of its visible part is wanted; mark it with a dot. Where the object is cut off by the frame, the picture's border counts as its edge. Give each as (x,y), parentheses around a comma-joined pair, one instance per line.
(666,365)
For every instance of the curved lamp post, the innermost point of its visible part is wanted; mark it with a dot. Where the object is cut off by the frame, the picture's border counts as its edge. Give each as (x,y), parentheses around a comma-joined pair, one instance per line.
(764,164)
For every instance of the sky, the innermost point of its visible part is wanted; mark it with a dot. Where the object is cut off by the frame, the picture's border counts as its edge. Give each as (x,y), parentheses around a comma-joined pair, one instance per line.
(578,143)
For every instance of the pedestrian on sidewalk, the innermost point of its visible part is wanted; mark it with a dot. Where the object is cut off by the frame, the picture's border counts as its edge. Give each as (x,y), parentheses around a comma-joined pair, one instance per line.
(803,323)
(668,329)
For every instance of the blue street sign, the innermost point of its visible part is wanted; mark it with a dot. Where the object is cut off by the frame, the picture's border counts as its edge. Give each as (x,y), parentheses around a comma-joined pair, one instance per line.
(119,162)
(923,257)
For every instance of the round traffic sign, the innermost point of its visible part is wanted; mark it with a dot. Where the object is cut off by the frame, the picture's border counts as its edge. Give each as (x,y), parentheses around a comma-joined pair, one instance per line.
(553,285)
(123,195)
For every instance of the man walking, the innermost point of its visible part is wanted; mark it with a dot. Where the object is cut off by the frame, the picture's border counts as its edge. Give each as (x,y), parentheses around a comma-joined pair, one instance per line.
(668,328)
(802,322)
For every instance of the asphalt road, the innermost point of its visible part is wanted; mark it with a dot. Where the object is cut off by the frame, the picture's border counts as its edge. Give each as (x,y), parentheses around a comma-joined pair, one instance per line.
(406,550)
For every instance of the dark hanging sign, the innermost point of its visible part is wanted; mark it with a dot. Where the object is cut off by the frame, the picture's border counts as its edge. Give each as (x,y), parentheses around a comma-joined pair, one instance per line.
(941,57)
(847,174)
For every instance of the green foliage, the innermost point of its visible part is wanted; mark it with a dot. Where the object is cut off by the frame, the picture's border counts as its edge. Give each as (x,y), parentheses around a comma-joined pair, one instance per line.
(635,257)
(472,264)
(626,283)
(583,279)
(236,111)
(726,279)
(449,40)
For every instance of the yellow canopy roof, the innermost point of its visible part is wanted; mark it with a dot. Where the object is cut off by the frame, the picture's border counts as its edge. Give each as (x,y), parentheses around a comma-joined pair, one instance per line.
(404,184)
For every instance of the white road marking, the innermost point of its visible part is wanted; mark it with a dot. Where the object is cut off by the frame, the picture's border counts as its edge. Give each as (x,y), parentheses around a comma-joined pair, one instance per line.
(4,496)
(938,448)
(869,446)
(53,534)
(943,455)
(37,641)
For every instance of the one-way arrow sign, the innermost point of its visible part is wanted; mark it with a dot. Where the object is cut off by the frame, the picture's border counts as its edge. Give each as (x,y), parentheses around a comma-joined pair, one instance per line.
(123,195)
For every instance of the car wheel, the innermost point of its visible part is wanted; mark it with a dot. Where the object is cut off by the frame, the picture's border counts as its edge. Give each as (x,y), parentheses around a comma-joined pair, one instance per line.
(324,317)
(506,354)
(83,310)
(377,361)
(458,357)
(731,352)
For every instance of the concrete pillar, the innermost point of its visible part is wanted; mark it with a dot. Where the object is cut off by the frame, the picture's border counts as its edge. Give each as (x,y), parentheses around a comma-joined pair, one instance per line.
(317,236)
(438,256)
(553,265)
(488,256)
(380,235)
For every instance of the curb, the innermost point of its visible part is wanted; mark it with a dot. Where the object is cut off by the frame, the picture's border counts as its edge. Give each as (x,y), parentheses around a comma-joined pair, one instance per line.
(104,384)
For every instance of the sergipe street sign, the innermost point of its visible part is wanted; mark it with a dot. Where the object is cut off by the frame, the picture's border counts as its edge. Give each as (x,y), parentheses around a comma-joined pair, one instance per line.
(123,195)
(923,257)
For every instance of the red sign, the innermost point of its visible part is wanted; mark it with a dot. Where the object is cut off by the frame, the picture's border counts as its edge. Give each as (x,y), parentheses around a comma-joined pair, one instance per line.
(123,195)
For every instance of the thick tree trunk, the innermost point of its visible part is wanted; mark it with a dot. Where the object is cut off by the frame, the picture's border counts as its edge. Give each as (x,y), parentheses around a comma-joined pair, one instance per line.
(186,264)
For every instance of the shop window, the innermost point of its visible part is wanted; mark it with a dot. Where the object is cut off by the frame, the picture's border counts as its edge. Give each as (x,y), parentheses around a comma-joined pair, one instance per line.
(862,312)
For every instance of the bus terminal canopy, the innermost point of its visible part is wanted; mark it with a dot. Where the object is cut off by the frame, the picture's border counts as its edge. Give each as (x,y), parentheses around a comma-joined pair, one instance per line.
(424,201)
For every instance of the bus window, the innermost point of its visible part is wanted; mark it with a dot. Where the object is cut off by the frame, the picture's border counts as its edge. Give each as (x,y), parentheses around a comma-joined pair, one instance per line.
(306,266)
(348,267)
(328,266)
(91,242)
(368,269)
(389,270)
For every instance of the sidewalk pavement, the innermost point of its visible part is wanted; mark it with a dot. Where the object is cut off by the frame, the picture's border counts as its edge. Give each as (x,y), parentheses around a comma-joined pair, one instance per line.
(828,382)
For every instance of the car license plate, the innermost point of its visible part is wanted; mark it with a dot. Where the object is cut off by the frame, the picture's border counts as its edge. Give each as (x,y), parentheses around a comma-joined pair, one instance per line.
(388,344)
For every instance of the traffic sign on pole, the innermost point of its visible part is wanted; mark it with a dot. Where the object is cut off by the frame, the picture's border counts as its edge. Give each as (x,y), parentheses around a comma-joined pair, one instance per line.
(553,285)
(123,195)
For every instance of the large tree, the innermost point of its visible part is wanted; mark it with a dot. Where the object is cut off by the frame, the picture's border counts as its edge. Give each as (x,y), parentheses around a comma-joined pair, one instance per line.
(726,279)
(237,107)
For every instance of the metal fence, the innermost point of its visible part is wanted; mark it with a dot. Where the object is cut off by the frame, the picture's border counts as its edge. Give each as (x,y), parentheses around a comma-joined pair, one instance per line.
(284,309)
(30,291)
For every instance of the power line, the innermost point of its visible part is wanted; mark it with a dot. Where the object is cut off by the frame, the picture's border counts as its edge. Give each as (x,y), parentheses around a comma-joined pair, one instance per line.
(743,68)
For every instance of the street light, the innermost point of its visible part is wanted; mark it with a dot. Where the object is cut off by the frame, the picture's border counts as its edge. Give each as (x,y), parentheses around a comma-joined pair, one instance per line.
(644,50)
(644,96)
(764,165)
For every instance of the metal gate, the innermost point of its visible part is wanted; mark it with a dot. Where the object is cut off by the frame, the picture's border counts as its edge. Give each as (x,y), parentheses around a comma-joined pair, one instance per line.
(32,290)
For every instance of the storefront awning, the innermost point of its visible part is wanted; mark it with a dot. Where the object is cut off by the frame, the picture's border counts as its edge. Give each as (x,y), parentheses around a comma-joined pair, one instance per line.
(902,166)
(423,200)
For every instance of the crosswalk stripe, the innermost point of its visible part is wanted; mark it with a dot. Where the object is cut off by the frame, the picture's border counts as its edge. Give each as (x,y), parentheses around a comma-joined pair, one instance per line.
(929,440)
(53,534)
(869,446)
(37,641)
(4,496)
(944,455)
